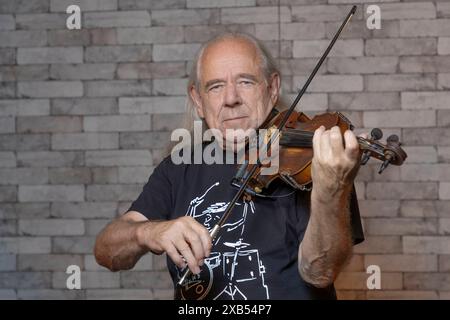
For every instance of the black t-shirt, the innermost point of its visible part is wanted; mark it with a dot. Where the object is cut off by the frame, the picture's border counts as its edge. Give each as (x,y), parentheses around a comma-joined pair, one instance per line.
(255,253)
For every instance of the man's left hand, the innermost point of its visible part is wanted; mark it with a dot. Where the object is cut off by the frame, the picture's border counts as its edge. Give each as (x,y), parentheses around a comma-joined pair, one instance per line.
(335,162)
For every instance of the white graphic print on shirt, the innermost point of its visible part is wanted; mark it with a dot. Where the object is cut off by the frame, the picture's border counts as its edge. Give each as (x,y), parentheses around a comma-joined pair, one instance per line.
(239,265)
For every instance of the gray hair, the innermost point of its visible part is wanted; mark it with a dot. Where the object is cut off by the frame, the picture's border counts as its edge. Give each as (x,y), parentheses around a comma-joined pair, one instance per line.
(267,62)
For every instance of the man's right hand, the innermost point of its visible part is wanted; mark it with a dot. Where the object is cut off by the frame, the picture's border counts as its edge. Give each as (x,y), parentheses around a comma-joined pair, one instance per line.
(180,238)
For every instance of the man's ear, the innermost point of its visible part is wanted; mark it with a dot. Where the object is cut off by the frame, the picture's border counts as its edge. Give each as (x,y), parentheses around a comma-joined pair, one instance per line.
(195,96)
(274,87)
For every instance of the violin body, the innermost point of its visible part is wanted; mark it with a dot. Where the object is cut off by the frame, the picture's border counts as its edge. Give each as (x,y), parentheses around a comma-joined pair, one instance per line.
(296,152)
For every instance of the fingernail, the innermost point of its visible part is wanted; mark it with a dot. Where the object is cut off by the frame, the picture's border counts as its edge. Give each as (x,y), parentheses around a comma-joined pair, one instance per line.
(200,263)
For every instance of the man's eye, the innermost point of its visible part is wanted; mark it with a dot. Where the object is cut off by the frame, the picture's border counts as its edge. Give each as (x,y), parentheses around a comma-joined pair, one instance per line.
(246,82)
(215,88)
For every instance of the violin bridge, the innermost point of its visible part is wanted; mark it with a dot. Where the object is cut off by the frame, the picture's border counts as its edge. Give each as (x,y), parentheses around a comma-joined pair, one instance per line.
(270,132)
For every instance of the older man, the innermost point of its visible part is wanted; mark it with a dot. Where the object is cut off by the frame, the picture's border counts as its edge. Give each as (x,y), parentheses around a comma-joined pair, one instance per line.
(291,245)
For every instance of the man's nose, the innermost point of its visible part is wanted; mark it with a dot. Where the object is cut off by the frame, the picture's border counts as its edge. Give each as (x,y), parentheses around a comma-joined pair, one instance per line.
(232,97)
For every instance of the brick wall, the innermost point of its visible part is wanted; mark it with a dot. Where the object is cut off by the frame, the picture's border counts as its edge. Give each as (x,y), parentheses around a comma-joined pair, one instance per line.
(84,117)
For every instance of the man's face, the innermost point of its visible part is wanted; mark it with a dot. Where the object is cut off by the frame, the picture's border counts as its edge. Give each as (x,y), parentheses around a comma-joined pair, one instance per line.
(233,93)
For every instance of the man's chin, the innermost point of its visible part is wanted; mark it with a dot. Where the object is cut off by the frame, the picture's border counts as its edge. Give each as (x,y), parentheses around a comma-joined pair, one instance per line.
(235,127)
(234,147)
(236,143)
(239,135)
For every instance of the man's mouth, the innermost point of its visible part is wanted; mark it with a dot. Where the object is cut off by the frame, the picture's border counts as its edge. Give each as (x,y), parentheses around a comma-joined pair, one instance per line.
(235,118)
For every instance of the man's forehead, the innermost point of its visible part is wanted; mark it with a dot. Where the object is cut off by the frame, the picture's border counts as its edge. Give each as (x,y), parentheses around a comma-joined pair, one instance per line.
(241,44)
(228,50)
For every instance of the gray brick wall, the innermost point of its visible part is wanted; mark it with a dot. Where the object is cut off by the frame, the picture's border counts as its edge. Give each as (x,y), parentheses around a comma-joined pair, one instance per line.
(85,115)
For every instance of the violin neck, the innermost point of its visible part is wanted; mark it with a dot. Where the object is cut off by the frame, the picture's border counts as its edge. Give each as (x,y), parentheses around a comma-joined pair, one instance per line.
(303,139)
(296,138)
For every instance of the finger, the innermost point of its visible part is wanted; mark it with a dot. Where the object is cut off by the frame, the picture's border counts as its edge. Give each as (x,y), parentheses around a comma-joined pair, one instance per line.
(175,256)
(194,241)
(183,248)
(204,235)
(316,140)
(325,146)
(336,141)
(205,238)
(351,145)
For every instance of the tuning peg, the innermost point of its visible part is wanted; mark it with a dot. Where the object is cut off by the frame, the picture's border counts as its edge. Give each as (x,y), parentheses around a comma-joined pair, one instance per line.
(393,139)
(376,134)
(388,157)
(365,157)
(383,166)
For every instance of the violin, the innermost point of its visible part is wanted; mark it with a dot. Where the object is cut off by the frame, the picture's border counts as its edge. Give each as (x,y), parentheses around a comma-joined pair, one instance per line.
(296,153)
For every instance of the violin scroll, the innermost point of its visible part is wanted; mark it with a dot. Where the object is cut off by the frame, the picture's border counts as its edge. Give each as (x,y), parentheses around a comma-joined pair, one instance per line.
(389,153)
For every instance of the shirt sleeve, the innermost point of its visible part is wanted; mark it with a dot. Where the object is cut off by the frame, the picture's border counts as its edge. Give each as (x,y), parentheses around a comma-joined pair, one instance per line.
(155,200)
(355,219)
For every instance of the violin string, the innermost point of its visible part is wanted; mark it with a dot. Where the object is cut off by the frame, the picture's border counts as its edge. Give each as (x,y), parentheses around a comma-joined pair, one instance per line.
(282,195)
(299,132)
(298,137)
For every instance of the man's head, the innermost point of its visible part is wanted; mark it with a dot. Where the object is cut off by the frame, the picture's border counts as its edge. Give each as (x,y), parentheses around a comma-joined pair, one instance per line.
(234,83)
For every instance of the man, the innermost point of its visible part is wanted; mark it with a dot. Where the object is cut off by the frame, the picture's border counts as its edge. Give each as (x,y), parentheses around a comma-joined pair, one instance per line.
(289,246)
